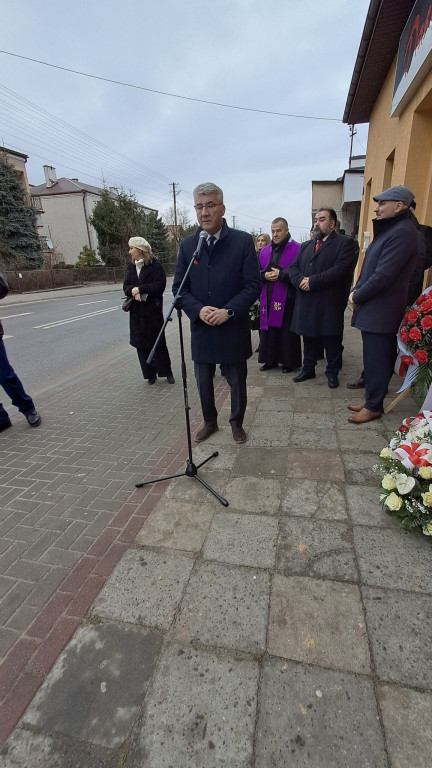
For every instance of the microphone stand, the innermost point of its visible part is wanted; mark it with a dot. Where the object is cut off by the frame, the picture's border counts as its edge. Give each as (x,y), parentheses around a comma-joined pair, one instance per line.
(191,469)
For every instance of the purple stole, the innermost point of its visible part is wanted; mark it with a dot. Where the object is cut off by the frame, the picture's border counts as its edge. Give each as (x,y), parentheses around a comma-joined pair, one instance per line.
(273,318)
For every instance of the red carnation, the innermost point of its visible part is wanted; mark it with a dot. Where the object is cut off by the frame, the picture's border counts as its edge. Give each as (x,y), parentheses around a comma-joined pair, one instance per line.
(426,323)
(411,316)
(420,299)
(403,429)
(421,356)
(414,334)
(404,335)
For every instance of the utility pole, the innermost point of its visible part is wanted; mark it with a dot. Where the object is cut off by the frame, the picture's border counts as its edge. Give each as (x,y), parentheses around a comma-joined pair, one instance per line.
(352,134)
(234,222)
(176,237)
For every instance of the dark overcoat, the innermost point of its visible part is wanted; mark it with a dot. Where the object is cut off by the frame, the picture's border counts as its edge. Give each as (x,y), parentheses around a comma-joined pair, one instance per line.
(320,311)
(228,277)
(145,317)
(380,294)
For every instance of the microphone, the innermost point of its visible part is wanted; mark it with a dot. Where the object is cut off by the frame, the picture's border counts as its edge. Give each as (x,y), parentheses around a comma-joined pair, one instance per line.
(202,237)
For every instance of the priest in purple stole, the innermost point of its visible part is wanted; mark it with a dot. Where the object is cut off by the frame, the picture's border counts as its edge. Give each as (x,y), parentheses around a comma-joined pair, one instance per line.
(278,344)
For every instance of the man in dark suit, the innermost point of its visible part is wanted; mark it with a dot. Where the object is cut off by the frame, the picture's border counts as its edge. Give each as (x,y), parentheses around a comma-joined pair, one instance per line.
(216,297)
(322,273)
(379,297)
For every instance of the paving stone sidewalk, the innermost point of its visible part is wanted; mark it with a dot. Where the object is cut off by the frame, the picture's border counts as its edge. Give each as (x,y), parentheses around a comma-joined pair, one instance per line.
(291,628)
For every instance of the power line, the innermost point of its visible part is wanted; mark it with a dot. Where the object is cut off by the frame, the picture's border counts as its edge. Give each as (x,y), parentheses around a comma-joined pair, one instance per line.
(165,93)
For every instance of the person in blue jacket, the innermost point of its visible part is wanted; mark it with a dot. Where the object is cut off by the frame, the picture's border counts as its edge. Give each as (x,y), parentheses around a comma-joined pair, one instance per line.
(221,286)
(379,297)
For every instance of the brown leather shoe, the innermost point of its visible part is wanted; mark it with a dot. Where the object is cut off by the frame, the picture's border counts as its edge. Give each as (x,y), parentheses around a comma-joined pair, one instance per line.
(357,407)
(239,434)
(206,430)
(363,416)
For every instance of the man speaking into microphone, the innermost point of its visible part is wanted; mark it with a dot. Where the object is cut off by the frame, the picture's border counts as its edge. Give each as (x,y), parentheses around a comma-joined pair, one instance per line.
(223,283)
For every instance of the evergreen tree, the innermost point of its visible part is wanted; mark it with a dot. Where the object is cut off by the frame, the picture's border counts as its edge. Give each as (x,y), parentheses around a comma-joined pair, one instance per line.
(157,237)
(115,221)
(87,258)
(19,241)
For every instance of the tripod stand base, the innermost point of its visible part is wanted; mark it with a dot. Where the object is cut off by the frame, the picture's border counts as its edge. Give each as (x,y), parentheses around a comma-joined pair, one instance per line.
(190,471)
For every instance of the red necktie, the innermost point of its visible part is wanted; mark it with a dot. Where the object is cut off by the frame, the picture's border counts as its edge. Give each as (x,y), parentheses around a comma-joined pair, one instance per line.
(317,247)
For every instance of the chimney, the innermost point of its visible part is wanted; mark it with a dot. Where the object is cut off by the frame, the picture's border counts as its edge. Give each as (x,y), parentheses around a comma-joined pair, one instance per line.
(50,175)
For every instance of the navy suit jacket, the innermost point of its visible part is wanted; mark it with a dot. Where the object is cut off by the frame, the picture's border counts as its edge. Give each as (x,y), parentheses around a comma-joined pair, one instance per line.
(227,277)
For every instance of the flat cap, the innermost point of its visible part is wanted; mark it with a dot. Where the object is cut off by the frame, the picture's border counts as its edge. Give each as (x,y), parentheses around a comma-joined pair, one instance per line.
(398,194)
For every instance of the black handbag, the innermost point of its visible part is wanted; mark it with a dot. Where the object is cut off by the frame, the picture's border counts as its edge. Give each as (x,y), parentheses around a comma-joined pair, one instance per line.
(127,304)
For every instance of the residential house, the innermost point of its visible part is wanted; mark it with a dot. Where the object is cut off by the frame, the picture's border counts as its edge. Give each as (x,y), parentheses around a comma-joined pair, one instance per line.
(343,194)
(65,206)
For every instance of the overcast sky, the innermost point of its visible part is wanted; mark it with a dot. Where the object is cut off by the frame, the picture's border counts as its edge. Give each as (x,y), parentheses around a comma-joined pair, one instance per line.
(278,55)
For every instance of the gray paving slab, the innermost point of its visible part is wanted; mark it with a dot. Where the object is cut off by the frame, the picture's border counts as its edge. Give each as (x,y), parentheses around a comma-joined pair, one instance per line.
(310,498)
(144,588)
(242,540)
(227,607)
(104,669)
(261,462)
(364,508)
(176,525)
(317,717)
(200,711)
(407,721)
(395,559)
(316,548)
(269,436)
(400,627)
(26,749)
(361,467)
(258,495)
(318,622)
(322,464)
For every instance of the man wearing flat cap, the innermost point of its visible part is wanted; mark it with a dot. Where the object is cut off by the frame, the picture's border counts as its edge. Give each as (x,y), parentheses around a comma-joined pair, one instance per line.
(379,297)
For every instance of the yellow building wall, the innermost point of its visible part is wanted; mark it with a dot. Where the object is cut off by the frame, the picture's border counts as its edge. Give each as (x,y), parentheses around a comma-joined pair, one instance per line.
(399,151)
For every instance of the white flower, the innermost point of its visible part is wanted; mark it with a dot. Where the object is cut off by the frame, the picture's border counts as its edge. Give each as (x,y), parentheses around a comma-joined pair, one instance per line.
(394,442)
(404,483)
(385,453)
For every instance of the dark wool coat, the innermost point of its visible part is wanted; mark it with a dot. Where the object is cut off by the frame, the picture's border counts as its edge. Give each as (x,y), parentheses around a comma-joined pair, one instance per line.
(381,291)
(320,311)
(145,317)
(228,277)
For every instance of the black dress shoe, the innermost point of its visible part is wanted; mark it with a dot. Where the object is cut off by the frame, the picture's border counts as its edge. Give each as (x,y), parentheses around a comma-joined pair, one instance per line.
(33,417)
(170,379)
(152,380)
(359,384)
(304,376)
(5,425)
(333,382)
(267,367)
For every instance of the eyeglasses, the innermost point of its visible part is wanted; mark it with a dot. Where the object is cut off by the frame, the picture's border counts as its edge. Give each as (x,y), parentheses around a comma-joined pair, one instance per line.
(210,206)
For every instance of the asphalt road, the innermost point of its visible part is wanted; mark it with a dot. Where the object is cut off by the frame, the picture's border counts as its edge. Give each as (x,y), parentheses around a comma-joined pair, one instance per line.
(53,341)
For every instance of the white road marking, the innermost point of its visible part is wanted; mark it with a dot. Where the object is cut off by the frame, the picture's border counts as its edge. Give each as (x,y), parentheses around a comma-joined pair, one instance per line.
(54,324)
(99,301)
(9,317)
(8,337)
